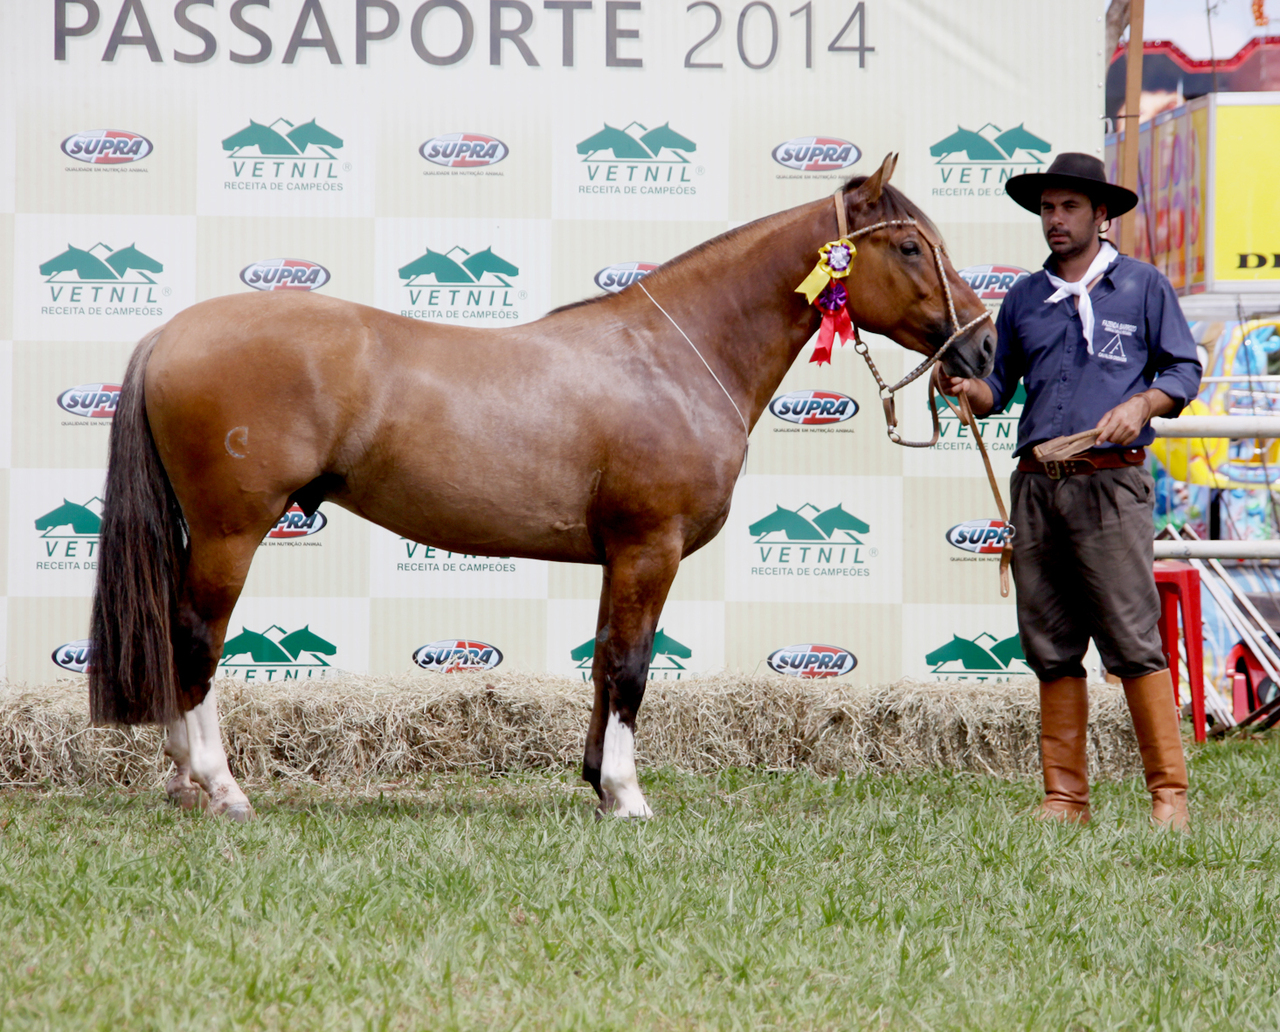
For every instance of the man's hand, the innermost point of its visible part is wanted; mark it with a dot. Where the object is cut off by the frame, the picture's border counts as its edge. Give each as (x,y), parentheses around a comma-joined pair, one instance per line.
(978,393)
(1124,422)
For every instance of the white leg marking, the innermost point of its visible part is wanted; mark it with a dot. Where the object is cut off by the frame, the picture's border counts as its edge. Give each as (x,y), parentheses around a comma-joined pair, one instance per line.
(209,761)
(180,788)
(618,770)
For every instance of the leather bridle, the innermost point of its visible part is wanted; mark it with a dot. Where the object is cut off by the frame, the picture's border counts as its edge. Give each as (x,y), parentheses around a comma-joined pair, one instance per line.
(964,412)
(859,345)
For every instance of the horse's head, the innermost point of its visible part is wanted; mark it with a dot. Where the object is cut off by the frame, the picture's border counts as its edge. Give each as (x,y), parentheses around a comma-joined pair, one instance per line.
(896,287)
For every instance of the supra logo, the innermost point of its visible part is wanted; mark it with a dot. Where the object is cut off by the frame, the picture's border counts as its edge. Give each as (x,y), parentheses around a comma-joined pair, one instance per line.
(464,150)
(73,656)
(106,147)
(295,523)
(983,658)
(613,278)
(284,274)
(91,400)
(985,537)
(813,408)
(450,655)
(812,661)
(664,661)
(816,154)
(275,652)
(992,282)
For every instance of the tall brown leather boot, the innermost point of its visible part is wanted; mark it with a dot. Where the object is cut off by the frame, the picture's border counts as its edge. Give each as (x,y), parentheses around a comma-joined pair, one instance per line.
(1064,719)
(1155,721)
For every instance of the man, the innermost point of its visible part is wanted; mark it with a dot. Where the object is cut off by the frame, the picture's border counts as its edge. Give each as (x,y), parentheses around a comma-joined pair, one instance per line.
(1100,342)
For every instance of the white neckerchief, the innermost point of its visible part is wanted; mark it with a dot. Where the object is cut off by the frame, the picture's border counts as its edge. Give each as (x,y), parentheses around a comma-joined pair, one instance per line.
(1105,256)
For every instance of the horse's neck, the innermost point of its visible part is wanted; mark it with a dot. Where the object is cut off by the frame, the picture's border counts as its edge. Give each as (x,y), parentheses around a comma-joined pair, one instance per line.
(754,323)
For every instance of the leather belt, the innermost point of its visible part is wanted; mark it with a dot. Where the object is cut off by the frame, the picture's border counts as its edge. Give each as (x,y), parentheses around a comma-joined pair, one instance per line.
(1085,463)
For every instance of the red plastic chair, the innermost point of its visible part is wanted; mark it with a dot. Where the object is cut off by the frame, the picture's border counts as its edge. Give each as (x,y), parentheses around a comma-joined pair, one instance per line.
(1179,586)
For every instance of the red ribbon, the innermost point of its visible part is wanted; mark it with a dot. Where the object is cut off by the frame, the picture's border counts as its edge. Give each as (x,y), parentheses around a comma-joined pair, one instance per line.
(835,321)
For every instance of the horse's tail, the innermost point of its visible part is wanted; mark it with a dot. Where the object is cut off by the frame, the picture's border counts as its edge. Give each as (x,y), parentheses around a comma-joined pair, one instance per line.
(142,554)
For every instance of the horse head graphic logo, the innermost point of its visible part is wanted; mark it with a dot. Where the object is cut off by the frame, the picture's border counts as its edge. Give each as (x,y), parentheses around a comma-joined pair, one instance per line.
(300,648)
(810,525)
(100,264)
(282,139)
(459,267)
(995,147)
(637,143)
(984,656)
(664,660)
(80,520)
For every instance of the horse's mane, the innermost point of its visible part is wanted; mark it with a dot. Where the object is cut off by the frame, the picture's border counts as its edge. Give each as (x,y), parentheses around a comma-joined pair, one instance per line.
(893,204)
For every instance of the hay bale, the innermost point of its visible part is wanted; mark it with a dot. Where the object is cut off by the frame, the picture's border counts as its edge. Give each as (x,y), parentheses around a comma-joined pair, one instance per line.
(373,730)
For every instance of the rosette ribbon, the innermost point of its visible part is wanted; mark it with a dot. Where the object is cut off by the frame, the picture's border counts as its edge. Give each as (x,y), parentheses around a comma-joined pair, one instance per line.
(835,259)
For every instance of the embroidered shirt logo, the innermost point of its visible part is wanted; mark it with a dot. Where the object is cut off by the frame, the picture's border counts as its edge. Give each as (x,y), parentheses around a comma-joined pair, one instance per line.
(1113,349)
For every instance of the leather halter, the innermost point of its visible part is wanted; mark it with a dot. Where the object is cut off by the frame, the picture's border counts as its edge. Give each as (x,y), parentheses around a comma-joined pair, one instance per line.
(964,412)
(887,392)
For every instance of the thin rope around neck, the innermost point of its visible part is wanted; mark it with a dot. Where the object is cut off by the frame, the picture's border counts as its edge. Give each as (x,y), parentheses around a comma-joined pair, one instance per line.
(691,344)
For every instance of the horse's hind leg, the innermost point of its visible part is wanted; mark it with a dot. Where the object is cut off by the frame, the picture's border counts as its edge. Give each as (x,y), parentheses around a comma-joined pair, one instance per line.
(180,788)
(636,582)
(215,574)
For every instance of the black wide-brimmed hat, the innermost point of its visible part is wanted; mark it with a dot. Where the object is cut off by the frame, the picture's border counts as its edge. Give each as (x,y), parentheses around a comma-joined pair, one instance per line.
(1071,171)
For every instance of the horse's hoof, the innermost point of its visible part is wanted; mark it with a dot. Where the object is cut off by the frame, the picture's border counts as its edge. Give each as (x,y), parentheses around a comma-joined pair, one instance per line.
(186,794)
(241,813)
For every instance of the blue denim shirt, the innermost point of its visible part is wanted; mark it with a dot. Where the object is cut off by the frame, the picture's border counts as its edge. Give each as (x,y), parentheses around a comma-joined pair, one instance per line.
(1140,340)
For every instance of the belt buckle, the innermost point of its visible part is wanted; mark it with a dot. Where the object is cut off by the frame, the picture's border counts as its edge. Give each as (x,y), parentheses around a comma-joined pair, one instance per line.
(1054,469)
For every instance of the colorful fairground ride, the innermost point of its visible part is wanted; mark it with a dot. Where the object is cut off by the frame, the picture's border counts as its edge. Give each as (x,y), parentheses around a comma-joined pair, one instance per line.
(1242,378)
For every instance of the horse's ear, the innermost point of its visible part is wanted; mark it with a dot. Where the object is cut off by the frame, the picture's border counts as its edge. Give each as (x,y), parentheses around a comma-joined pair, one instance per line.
(875,184)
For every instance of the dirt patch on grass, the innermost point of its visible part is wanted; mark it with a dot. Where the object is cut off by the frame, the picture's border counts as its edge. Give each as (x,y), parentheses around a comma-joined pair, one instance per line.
(364,730)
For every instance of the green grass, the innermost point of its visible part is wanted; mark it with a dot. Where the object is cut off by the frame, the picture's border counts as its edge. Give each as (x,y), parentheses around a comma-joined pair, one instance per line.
(753,901)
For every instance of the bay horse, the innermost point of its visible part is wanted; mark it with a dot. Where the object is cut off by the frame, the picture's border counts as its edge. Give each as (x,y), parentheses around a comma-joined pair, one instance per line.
(593,446)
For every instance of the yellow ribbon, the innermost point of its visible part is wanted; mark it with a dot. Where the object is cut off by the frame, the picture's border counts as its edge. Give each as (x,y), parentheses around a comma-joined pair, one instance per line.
(816,282)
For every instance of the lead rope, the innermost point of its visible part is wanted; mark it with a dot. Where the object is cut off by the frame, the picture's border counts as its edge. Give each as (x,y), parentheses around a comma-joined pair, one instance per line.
(964,412)
(745,429)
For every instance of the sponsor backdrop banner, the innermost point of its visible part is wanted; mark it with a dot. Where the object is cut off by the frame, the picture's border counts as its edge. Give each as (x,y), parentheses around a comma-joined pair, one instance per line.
(477,163)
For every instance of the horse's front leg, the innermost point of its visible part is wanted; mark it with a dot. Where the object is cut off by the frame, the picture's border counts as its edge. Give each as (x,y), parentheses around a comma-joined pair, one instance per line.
(207,761)
(636,582)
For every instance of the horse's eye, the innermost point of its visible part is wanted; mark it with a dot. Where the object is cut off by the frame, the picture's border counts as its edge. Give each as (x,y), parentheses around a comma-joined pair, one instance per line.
(910,248)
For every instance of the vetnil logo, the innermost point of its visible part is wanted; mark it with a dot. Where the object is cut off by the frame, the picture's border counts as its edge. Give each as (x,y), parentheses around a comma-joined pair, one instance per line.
(664,662)
(69,536)
(638,160)
(284,274)
(812,541)
(454,655)
(463,150)
(106,147)
(977,163)
(103,280)
(277,655)
(983,658)
(285,156)
(999,431)
(462,286)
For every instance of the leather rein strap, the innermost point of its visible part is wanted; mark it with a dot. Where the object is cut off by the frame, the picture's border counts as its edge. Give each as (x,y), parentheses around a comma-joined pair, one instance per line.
(964,412)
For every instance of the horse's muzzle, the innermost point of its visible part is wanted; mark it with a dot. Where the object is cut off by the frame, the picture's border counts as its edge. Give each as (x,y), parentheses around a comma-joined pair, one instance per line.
(975,356)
